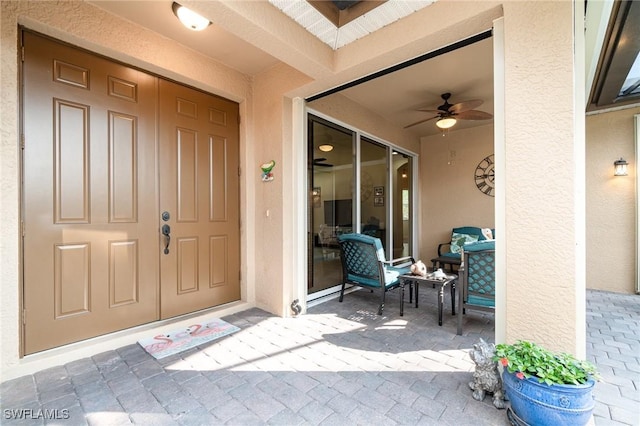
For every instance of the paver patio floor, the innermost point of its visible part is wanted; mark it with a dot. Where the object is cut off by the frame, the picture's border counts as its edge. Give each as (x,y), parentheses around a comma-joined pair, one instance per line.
(340,364)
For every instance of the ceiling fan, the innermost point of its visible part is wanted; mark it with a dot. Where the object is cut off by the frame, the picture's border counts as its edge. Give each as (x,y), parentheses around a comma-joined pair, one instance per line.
(321,162)
(447,114)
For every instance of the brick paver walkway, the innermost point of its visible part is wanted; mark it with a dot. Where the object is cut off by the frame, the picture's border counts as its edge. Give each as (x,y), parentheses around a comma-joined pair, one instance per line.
(340,364)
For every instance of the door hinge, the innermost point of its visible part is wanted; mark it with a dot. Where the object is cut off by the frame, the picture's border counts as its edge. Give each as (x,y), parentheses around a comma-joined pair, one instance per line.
(22,53)
(22,230)
(239,119)
(22,141)
(24,317)
(239,171)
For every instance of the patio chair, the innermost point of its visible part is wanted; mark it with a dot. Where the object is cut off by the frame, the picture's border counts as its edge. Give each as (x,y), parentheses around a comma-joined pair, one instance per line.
(477,282)
(364,264)
(449,252)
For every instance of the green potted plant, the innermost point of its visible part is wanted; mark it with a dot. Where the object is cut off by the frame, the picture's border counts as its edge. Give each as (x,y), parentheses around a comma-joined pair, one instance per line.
(546,388)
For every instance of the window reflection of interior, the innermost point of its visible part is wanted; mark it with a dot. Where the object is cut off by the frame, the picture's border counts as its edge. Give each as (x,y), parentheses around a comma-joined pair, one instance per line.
(331,211)
(382,193)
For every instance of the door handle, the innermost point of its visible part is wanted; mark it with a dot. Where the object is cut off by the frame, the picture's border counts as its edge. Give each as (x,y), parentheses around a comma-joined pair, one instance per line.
(166,231)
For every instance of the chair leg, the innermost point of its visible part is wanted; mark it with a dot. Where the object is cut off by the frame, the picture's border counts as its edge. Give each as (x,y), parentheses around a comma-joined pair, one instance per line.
(384,292)
(460,310)
(436,264)
(453,298)
(342,292)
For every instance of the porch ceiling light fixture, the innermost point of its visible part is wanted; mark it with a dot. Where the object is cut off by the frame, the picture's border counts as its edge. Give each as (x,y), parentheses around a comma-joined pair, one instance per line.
(446,122)
(620,167)
(189,18)
(325,148)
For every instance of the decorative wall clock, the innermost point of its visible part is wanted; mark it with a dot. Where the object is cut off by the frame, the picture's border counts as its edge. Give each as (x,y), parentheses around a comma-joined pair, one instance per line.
(485,176)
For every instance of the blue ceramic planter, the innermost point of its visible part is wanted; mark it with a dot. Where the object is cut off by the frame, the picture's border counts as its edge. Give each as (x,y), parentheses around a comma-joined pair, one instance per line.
(542,405)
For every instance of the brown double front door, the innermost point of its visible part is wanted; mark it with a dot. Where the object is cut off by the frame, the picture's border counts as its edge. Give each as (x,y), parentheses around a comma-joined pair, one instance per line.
(130,197)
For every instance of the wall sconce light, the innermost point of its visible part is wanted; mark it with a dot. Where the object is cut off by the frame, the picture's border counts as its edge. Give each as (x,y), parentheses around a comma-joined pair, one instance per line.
(189,18)
(446,122)
(620,167)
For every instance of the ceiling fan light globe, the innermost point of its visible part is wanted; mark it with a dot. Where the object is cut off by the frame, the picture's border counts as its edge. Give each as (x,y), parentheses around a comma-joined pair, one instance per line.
(325,148)
(446,122)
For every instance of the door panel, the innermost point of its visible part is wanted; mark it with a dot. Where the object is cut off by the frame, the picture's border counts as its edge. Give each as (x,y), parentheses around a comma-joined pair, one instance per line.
(100,139)
(89,195)
(198,176)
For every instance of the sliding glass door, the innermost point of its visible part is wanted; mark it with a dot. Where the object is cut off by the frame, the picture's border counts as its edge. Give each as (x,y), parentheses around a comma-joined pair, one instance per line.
(373,189)
(402,184)
(331,206)
(356,184)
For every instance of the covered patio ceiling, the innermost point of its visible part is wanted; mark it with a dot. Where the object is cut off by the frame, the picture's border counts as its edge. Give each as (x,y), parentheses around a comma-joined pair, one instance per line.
(465,73)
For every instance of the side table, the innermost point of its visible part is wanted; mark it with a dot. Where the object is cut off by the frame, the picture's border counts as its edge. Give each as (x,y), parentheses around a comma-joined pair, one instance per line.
(449,279)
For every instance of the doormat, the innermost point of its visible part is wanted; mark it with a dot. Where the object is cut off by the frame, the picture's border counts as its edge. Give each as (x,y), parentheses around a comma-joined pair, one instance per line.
(176,341)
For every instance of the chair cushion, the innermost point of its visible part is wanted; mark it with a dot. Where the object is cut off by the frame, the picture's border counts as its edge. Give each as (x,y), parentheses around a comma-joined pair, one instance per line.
(401,270)
(459,240)
(481,301)
(471,230)
(480,245)
(390,279)
(451,255)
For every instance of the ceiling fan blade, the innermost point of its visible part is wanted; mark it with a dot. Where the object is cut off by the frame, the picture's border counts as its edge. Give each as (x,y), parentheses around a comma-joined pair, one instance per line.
(420,122)
(433,111)
(474,115)
(319,159)
(465,106)
(322,164)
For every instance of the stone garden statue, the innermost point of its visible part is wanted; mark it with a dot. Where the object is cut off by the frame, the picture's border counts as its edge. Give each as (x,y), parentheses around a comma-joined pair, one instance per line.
(486,378)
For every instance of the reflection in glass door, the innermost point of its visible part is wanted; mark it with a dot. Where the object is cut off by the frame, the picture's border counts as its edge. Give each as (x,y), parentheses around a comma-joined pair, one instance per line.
(373,190)
(402,201)
(356,184)
(331,207)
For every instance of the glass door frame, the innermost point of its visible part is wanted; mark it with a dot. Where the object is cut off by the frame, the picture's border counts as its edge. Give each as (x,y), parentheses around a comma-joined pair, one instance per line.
(313,298)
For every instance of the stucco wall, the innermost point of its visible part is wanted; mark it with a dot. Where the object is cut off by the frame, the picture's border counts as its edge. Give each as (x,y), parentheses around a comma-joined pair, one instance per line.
(544,187)
(611,202)
(270,125)
(450,197)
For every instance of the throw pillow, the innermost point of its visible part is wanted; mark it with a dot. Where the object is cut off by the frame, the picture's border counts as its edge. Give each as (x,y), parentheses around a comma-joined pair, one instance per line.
(459,240)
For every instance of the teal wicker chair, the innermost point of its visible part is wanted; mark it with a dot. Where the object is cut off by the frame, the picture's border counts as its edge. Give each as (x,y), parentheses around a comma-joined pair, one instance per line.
(478,280)
(449,252)
(364,265)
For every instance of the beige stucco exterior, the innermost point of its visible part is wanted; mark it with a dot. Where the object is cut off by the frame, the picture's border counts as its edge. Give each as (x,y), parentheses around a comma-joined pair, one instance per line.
(541,208)
(611,202)
(543,110)
(447,162)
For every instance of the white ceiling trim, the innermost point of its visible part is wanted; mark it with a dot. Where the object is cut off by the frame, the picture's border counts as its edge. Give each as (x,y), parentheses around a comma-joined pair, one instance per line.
(314,22)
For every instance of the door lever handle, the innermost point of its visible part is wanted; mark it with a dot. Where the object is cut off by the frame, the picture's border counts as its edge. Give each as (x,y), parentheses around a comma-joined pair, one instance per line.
(166,231)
